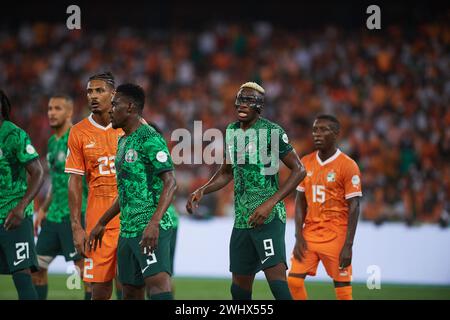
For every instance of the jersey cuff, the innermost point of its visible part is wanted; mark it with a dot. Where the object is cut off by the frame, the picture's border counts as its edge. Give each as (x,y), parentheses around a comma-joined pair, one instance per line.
(301,189)
(75,171)
(157,172)
(352,195)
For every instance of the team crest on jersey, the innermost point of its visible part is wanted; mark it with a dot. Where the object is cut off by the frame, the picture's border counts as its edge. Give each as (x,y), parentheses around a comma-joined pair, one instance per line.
(61,156)
(30,149)
(309,173)
(355,180)
(131,156)
(285,138)
(331,176)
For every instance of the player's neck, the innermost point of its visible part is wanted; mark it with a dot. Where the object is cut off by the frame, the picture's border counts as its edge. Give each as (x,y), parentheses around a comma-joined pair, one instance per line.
(102,119)
(326,154)
(132,126)
(59,132)
(246,125)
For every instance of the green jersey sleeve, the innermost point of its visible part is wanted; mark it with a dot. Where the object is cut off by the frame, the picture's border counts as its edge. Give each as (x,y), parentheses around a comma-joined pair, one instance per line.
(283,142)
(25,151)
(158,154)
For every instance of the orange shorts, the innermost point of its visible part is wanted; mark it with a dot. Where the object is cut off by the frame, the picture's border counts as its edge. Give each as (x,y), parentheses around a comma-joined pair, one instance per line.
(328,253)
(100,265)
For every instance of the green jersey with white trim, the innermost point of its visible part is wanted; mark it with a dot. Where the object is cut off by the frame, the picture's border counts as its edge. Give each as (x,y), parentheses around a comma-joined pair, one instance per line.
(254,155)
(140,158)
(56,159)
(16,151)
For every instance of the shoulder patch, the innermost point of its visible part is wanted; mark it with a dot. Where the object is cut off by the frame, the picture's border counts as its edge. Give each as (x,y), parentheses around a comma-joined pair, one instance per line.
(161,156)
(355,180)
(30,149)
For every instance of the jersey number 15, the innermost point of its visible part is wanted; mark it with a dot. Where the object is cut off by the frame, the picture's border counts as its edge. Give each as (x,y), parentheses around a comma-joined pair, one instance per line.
(318,192)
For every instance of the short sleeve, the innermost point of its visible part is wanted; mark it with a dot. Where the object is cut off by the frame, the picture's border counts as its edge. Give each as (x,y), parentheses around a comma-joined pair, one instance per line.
(284,146)
(75,158)
(301,186)
(352,180)
(158,154)
(25,152)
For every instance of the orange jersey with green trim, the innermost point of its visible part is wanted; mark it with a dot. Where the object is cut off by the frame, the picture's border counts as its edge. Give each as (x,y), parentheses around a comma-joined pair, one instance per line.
(327,186)
(91,152)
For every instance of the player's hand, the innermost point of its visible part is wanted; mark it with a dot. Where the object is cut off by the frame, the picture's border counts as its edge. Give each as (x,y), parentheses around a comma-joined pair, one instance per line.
(260,214)
(345,258)
(40,217)
(14,218)
(300,248)
(96,236)
(150,236)
(193,200)
(79,240)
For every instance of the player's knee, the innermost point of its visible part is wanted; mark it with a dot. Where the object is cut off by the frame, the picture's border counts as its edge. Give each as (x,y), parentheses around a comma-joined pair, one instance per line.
(343,290)
(297,287)
(158,283)
(39,278)
(277,272)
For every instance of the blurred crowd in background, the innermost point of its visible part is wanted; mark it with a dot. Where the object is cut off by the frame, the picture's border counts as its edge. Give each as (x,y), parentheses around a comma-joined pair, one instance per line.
(390,89)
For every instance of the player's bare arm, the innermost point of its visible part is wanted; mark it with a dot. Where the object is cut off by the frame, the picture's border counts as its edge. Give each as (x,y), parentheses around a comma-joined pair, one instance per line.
(96,235)
(36,173)
(345,258)
(75,198)
(297,174)
(220,179)
(300,215)
(42,212)
(151,232)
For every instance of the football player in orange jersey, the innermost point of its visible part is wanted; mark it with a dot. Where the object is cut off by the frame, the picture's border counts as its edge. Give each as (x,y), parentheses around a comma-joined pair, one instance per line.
(326,214)
(92,148)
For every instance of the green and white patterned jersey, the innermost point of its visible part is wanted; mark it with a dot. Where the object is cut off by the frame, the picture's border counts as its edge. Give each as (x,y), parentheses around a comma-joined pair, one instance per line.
(56,159)
(140,158)
(254,155)
(16,151)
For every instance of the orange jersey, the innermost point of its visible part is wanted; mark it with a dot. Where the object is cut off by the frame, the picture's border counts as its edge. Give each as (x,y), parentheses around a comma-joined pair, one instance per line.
(327,186)
(91,152)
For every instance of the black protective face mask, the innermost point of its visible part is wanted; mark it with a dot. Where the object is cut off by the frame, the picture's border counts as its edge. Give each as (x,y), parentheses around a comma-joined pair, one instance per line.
(252,101)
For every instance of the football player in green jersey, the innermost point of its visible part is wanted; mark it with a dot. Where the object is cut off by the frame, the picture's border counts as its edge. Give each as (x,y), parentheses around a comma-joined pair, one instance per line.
(17,158)
(254,146)
(146,185)
(53,216)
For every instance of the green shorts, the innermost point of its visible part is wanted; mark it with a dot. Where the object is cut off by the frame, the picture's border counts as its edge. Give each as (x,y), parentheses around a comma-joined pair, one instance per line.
(56,239)
(133,266)
(256,249)
(173,243)
(17,250)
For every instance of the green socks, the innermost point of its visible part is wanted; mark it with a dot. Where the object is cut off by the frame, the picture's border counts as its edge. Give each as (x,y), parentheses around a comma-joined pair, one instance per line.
(280,290)
(24,286)
(162,296)
(237,293)
(42,291)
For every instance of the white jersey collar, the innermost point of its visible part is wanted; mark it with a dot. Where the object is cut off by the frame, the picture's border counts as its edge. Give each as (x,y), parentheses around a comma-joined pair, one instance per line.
(330,159)
(95,124)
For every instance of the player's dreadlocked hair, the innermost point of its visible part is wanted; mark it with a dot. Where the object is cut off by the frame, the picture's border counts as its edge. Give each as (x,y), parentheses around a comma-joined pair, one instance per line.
(5,105)
(106,76)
